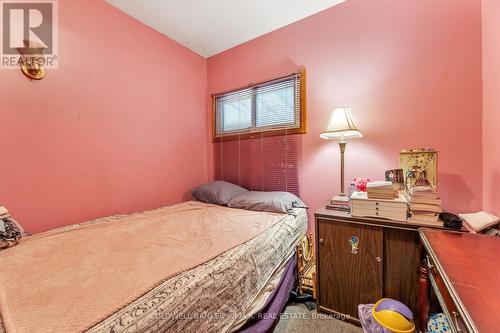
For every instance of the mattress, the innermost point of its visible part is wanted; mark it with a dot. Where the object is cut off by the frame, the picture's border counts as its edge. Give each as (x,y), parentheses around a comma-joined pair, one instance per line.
(219,295)
(215,296)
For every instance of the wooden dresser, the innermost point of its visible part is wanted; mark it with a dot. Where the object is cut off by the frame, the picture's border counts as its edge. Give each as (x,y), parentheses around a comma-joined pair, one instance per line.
(464,272)
(385,263)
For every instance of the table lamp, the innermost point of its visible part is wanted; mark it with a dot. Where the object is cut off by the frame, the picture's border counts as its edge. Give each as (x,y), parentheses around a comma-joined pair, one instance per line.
(341,128)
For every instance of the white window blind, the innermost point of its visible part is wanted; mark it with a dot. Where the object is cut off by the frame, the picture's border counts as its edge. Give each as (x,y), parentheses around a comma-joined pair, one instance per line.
(269,106)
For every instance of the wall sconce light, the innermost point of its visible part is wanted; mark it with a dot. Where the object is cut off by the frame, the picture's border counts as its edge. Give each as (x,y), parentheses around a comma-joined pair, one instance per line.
(32,60)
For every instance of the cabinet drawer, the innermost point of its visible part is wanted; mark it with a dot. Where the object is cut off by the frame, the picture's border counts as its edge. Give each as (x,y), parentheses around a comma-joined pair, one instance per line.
(445,299)
(371,209)
(380,204)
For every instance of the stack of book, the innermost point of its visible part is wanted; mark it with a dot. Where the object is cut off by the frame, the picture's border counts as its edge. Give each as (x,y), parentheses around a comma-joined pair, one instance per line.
(425,204)
(380,190)
(339,203)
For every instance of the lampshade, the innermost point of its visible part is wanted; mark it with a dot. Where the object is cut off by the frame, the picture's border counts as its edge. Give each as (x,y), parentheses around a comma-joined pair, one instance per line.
(341,126)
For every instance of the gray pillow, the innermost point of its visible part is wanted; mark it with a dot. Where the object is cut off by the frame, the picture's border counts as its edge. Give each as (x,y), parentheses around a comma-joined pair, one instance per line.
(217,192)
(274,202)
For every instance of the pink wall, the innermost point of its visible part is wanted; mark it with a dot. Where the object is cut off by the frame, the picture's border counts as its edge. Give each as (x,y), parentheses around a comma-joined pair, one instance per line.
(104,134)
(491,105)
(410,72)
(119,127)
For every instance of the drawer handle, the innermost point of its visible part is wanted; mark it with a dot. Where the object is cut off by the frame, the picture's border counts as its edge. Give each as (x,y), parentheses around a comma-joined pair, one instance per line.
(321,241)
(378,259)
(376,203)
(455,321)
(428,262)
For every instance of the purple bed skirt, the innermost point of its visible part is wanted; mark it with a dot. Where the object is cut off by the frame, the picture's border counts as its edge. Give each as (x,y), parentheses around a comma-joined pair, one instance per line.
(268,317)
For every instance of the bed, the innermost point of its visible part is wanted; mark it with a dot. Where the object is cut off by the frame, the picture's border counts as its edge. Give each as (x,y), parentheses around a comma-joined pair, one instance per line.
(191,267)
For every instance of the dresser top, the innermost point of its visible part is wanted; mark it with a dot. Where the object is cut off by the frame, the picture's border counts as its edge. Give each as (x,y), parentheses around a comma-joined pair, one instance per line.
(470,267)
(347,217)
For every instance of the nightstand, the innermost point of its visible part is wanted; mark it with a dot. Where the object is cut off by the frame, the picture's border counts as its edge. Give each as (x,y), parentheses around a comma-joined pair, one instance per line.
(360,260)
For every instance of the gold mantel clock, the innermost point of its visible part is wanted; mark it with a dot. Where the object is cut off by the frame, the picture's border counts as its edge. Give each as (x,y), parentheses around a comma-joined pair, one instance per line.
(419,167)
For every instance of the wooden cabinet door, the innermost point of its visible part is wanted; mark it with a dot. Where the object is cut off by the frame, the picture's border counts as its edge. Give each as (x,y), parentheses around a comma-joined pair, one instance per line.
(402,259)
(348,277)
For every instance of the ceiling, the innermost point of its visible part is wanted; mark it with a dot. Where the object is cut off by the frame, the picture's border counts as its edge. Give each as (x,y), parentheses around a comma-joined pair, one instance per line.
(209,27)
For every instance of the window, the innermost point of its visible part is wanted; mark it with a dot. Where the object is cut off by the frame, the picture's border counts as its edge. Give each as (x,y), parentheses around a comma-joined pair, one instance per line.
(275,107)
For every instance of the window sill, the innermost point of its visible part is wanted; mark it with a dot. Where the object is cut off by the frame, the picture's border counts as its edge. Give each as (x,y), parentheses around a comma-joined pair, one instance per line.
(256,135)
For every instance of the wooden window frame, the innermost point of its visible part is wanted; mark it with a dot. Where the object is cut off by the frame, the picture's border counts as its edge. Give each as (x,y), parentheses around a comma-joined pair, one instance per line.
(266,132)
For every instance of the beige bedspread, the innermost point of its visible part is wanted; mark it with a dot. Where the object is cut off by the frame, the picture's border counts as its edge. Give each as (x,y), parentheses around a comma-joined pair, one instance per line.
(85,274)
(218,295)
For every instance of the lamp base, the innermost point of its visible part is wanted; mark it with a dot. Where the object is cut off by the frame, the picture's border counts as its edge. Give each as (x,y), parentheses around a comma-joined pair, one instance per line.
(341,198)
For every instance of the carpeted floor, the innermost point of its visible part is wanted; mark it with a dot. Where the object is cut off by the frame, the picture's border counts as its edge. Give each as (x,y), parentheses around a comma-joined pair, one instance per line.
(296,318)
